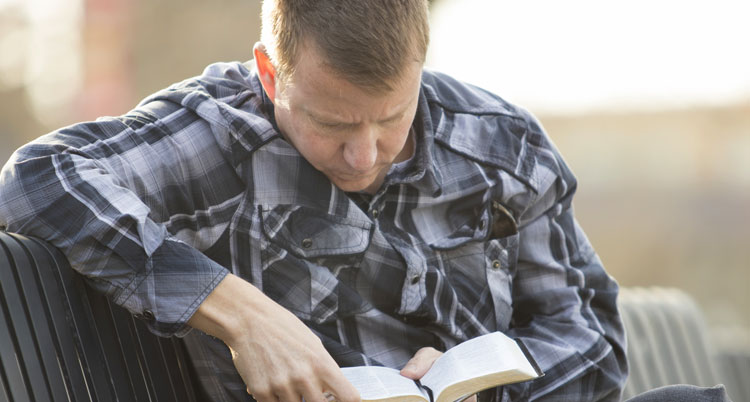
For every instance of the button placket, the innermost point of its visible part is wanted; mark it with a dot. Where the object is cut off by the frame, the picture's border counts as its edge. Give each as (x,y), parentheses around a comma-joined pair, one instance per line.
(500,262)
(499,280)
(413,291)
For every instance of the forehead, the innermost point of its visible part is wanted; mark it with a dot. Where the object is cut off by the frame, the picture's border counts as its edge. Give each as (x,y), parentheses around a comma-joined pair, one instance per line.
(319,88)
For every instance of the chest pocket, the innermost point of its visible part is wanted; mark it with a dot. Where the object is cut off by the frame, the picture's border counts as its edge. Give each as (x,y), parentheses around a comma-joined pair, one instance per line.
(481,267)
(309,233)
(305,254)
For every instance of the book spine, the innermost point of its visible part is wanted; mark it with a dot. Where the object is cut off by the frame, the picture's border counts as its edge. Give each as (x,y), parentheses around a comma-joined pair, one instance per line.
(426,389)
(529,357)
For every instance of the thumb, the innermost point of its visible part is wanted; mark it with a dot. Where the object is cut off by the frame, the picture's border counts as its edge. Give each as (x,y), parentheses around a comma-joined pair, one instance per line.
(418,365)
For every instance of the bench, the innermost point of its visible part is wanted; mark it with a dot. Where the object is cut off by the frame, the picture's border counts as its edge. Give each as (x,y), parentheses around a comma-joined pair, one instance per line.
(668,343)
(60,341)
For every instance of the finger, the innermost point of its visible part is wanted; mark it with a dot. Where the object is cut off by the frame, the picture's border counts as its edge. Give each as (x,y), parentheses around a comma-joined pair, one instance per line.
(290,395)
(420,363)
(305,389)
(263,397)
(340,387)
(312,395)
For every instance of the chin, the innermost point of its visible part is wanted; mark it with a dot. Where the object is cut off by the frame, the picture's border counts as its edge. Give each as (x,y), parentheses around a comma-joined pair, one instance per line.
(352,187)
(359,184)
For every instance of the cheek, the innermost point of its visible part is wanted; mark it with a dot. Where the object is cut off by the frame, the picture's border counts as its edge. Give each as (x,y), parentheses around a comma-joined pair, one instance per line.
(303,138)
(318,150)
(396,139)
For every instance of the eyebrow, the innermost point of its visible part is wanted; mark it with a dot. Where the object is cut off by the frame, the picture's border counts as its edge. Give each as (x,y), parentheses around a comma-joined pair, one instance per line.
(326,120)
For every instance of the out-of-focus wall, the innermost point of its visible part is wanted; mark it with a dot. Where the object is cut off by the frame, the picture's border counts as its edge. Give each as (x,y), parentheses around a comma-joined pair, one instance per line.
(664,195)
(107,55)
(176,39)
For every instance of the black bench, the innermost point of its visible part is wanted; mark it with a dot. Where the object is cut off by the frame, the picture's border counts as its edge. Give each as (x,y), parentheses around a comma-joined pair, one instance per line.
(60,341)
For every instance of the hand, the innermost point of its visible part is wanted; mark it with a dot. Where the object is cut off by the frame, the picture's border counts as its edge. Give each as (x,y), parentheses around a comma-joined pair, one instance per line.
(418,365)
(276,355)
(280,357)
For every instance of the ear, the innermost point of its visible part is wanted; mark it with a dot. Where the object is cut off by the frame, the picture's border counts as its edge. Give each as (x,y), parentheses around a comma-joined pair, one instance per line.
(266,70)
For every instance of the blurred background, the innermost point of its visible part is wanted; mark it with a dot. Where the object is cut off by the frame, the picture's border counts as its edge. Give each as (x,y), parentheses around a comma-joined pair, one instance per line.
(648,101)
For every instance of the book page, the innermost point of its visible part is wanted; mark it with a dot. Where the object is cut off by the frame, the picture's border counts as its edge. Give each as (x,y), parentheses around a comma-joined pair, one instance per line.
(479,357)
(378,383)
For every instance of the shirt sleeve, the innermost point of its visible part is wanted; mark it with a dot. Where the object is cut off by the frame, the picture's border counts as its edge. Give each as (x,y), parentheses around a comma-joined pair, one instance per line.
(564,302)
(106,193)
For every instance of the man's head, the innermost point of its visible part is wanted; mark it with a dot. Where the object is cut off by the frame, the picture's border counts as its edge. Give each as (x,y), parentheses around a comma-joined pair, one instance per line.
(367,42)
(344,79)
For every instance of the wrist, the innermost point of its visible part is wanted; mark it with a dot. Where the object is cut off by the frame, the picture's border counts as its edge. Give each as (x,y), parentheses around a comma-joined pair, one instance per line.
(226,312)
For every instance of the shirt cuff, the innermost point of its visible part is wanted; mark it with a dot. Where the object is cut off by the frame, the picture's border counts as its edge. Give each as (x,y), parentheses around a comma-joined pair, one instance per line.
(177,279)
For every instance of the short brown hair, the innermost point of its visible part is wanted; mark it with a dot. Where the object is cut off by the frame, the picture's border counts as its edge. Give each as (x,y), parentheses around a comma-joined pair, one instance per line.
(369,42)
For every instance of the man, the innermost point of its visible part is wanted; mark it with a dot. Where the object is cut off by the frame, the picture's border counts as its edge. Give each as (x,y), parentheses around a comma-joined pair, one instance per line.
(330,205)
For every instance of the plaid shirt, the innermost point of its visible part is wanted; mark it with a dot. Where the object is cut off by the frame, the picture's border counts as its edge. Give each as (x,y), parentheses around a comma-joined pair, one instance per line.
(474,234)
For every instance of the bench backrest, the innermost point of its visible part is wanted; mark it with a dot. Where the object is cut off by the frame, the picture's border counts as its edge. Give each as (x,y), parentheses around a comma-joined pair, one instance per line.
(667,340)
(60,341)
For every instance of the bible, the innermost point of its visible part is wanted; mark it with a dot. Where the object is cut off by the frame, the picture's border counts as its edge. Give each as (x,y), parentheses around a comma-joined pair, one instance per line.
(480,363)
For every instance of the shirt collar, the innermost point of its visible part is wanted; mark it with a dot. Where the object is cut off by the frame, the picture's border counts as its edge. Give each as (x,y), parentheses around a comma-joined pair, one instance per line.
(421,171)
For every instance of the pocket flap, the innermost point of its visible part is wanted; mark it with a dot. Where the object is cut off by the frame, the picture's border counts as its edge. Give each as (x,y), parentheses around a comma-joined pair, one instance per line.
(310,233)
(448,226)
(464,224)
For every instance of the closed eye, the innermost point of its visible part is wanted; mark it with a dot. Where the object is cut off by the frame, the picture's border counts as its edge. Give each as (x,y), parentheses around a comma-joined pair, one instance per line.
(332,126)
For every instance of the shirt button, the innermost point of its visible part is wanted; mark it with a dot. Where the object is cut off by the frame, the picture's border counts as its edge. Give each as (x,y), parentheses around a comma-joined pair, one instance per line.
(307,243)
(148,315)
(496,264)
(375,213)
(504,254)
(415,279)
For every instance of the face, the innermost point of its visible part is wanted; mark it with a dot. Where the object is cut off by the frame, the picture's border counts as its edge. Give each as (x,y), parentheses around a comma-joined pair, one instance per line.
(349,134)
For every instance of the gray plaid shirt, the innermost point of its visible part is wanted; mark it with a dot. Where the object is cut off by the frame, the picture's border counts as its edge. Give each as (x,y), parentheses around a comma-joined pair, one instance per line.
(474,234)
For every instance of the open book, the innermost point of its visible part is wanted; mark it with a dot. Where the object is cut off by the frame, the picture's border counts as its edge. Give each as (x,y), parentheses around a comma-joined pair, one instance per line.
(472,366)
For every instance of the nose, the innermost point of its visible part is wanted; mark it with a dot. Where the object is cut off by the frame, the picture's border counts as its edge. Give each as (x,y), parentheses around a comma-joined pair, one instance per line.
(361,150)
